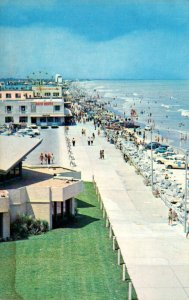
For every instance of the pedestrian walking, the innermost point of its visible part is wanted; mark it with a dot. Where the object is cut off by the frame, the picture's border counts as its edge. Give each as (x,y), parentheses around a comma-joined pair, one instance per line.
(89,141)
(41,158)
(170,216)
(98,131)
(93,136)
(52,158)
(73,142)
(102,154)
(49,158)
(46,158)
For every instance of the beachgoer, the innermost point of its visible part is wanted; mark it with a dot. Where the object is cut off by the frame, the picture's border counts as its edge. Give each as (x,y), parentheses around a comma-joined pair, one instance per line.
(102,154)
(41,158)
(89,141)
(46,158)
(52,158)
(93,136)
(49,158)
(175,216)
(98,131)
(170,216)
(73,142)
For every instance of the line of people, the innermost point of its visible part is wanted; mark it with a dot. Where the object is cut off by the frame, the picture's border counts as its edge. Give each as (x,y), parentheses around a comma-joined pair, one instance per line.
(46,158)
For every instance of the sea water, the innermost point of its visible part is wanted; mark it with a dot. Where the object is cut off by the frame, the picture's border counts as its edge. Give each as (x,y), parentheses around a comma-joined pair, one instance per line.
(165,104)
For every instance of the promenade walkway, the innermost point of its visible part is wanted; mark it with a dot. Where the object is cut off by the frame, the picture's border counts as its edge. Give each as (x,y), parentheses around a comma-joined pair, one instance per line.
(156,254)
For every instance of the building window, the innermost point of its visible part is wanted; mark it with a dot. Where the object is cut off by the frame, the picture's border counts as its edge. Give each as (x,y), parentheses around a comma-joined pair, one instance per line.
(9,119)
(43,119)
(8,95)
(33,107)
(57,108)
(47,94)
(23,119)
(17,95)
(56,94)
(8,109)
(57,120)
(0,95)
(23,109)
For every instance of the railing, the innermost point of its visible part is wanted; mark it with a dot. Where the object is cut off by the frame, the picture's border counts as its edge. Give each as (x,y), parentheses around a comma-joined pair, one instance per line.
(68,143)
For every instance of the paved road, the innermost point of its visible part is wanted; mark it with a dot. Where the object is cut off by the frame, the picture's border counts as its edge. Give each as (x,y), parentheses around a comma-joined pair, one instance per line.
(52,142)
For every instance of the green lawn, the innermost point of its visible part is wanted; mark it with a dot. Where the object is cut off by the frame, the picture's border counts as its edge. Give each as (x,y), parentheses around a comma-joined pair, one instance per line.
(73,263)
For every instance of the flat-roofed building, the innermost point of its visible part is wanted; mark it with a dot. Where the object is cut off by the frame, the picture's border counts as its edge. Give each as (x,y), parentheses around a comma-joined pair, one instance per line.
(12,151)
(43,192)
(33,111)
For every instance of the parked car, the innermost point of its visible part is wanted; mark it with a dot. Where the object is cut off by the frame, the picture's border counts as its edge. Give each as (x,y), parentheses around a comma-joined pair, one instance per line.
(35,129)
(154,145)
(167,159)
(175,164)
(54,125)
(44,125)
(160,150)
(148,128)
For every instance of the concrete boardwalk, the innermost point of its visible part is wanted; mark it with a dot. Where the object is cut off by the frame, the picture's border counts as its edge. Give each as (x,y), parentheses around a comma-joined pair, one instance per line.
(156,254)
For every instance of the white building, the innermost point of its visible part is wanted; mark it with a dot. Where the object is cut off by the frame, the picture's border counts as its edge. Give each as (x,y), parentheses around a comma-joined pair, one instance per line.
(33,111)
(58,79)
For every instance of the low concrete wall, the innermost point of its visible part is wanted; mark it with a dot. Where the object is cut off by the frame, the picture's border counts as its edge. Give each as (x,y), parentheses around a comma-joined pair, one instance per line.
(38,194)
(4,204)
(6,225)
(72,190)
(42,211)
(18,198)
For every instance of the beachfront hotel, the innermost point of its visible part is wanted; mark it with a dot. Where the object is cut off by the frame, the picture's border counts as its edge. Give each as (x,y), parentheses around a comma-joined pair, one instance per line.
(47,104)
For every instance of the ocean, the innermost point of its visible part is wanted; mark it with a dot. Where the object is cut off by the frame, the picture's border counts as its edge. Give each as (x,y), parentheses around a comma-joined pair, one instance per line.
(165,104)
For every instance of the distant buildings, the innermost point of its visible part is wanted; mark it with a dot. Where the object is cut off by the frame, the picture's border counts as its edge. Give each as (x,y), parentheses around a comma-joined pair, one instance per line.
(58,79)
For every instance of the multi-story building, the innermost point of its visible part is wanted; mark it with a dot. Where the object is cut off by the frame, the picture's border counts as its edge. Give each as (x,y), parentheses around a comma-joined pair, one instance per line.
(47,91)
(58,79)
(32,111)
(37,104)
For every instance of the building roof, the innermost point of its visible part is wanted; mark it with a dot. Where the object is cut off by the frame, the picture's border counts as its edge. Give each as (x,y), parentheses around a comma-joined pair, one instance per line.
(13,149)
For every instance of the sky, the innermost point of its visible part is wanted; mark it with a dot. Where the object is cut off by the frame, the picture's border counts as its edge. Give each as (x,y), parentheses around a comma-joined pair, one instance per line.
(95,39)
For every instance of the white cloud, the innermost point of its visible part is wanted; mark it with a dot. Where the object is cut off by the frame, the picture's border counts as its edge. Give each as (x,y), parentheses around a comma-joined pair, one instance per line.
(138,55)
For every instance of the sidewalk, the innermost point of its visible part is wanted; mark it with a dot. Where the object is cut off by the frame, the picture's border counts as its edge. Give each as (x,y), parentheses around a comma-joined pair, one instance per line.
(156,255)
